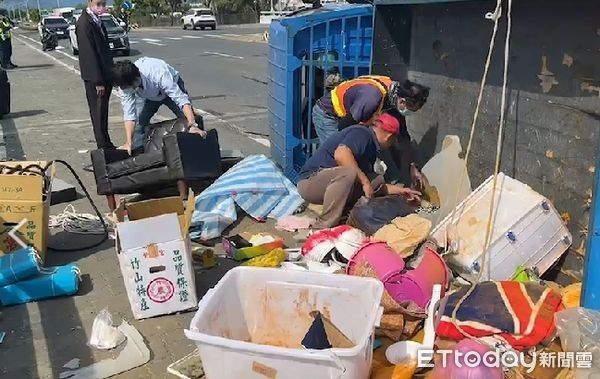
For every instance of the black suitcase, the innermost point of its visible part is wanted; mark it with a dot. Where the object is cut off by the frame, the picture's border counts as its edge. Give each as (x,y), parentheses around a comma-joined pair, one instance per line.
(4,93)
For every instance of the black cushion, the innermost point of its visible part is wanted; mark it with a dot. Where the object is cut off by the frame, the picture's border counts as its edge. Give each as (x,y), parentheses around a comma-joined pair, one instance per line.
(135,164)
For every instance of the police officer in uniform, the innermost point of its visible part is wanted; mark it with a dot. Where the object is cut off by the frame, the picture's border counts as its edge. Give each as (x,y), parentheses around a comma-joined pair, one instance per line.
(6,43)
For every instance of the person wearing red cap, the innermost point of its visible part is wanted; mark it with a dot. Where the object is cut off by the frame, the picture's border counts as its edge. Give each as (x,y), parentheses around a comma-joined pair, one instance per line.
(341,170)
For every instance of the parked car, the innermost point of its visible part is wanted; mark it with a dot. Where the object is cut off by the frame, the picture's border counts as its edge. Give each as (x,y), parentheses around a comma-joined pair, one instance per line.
(118,39)
(55,24)
(199,18)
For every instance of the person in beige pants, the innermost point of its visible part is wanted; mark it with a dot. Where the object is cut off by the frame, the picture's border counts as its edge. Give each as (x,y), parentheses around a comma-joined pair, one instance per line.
(341,170)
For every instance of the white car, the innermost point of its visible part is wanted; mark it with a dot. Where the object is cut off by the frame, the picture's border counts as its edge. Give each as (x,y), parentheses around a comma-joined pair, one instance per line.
(118,39)
(199,18)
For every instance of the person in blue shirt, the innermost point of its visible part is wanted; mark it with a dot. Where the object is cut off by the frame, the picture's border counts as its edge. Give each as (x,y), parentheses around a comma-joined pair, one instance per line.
(341,170)
(157,83)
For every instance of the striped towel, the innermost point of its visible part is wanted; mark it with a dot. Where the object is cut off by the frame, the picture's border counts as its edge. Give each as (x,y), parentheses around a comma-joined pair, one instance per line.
(256,185)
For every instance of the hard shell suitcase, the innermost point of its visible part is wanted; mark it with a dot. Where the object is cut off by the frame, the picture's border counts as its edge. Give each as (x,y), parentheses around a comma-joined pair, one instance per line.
(527,231)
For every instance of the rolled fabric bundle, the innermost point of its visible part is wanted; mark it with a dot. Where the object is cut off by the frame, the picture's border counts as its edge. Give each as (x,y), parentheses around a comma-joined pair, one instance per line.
(18,265)
(50,282)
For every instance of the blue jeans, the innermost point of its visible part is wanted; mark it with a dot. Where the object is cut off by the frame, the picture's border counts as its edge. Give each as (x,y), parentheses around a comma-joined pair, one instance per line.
(392,173)
(325,124)
(150,108)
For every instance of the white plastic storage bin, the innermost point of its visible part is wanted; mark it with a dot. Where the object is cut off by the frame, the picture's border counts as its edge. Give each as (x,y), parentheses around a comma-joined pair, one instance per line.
(250,306)
(527,231)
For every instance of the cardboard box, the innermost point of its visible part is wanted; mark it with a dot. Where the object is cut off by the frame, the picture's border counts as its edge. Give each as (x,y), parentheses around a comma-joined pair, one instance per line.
(155,257)
(25,200)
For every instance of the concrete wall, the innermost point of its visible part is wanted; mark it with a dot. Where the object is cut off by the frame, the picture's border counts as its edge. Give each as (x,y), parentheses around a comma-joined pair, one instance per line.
(553,114)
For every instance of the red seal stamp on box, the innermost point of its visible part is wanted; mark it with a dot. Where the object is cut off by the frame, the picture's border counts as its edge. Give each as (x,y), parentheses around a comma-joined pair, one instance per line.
(160,290)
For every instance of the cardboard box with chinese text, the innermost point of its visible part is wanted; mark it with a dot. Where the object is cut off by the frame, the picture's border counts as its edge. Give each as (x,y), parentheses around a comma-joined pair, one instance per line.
(154,252)
(25,200)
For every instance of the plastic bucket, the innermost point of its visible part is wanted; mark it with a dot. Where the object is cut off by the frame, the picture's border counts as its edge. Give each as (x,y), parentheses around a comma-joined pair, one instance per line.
(417,284)
(401,283)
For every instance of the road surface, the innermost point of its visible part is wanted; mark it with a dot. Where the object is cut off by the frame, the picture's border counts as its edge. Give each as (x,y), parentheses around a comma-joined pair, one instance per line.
(224,70)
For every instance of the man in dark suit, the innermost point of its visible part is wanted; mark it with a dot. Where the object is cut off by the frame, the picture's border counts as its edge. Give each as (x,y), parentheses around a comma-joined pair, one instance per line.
(95,63)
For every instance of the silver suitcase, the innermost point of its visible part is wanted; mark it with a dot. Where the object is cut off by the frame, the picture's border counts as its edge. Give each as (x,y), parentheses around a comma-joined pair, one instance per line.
(527,231)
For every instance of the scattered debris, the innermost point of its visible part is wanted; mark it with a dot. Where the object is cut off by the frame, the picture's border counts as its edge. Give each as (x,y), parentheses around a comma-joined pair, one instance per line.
(188,367)
(73,364)
(567,60)
(547,79)
(104,335)
(566,217)
(134,354)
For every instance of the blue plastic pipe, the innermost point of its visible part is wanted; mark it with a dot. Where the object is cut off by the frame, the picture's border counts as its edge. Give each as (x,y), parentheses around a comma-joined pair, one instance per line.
(590,297)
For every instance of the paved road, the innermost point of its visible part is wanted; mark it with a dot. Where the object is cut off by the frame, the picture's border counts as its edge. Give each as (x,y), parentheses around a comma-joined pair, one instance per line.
(224,70)
(49,120)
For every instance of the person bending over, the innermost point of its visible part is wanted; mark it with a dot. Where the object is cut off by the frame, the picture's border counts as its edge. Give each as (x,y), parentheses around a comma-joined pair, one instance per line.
(157,83)
(341,170)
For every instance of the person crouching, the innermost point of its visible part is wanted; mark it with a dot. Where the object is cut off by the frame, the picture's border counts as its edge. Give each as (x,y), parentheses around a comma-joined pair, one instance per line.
(341,170)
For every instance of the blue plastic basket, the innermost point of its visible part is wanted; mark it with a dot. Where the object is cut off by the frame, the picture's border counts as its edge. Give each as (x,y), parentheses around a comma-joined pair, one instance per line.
(303,49)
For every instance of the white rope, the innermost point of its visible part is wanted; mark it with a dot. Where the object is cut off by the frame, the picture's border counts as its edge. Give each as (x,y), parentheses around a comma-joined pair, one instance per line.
(490,16)
(490,221)
(79,223)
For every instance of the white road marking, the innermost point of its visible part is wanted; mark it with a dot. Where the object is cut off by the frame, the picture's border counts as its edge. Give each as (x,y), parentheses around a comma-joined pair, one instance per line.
(150,40)
(68,67)
(223,55)
(156,43)
(231,35)
(57,49)
(214,35)
(131,41)
(174,38)
(242,131)
(192,37)
(205,114)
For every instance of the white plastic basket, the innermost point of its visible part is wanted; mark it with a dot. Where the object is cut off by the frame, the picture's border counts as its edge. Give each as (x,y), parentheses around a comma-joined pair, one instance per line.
(258,304)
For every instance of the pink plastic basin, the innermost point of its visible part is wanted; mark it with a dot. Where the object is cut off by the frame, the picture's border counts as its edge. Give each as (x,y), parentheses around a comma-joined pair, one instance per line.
(415,284)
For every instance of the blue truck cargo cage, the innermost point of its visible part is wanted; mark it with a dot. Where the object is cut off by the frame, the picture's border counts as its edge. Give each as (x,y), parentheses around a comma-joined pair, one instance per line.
(308,51)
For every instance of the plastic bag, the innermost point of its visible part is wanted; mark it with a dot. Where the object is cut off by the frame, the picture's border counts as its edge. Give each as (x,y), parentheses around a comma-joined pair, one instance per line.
(104,335)
(369,215)
(579,331)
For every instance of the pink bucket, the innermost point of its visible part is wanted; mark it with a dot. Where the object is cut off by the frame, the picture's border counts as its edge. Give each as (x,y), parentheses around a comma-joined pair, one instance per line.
(417,284)
(414,285)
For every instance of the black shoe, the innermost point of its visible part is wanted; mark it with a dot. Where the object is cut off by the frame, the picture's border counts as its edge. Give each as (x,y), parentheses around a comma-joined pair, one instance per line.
(12,65)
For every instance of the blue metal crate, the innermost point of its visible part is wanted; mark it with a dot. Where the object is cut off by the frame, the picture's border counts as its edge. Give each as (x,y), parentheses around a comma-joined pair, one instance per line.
(303,49)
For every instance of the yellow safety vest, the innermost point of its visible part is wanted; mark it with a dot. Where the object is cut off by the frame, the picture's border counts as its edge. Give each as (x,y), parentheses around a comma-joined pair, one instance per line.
(337,94)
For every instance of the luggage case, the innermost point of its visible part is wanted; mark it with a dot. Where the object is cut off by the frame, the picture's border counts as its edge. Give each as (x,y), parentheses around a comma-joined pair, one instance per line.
(4,93)
(527,231)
